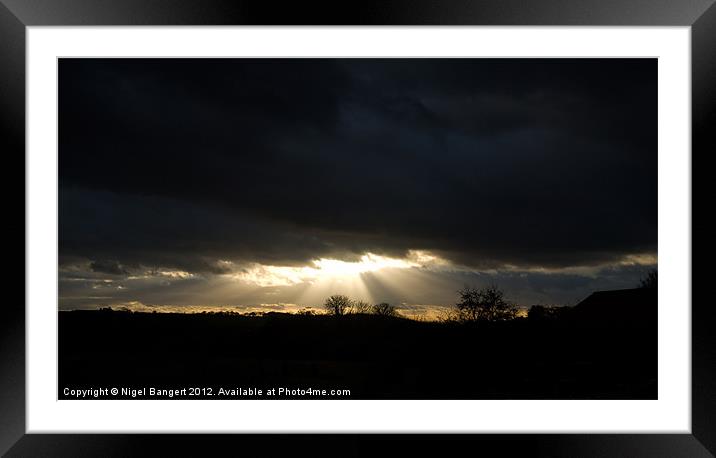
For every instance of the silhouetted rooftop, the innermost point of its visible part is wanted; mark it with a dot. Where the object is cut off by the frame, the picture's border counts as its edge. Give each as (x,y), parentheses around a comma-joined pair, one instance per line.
(627,305)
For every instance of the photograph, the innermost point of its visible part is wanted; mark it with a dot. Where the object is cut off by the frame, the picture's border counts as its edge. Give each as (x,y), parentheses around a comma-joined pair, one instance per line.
(357,228)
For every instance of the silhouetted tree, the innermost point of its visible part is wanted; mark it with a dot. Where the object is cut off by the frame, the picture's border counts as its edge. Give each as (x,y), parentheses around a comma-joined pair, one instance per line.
(338,304)
(384,309)
(484,304)
(360,307)
(544,312)
(448,315)
(650,280)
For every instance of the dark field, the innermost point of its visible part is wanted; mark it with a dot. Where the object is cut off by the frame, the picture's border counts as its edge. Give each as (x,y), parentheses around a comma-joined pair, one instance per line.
(374,357)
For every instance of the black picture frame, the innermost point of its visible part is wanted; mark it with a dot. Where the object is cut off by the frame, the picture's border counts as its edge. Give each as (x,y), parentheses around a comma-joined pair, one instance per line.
(16,15)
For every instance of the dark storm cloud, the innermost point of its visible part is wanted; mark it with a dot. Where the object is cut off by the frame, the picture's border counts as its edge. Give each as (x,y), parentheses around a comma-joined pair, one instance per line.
(155,231)
(486,162)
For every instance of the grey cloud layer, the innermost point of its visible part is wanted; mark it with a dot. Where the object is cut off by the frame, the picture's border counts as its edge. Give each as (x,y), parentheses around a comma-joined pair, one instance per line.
(415,287)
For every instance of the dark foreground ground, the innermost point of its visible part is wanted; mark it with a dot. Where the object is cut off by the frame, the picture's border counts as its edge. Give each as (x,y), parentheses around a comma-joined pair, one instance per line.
(373,357)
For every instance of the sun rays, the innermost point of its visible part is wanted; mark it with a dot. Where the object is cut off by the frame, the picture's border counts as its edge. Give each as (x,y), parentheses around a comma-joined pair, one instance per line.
(372,277)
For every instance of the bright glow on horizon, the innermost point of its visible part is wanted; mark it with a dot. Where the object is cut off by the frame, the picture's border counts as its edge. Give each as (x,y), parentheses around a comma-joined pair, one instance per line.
(420,283)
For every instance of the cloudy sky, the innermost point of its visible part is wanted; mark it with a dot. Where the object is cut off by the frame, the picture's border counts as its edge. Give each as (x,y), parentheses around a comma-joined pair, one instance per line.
(268,184)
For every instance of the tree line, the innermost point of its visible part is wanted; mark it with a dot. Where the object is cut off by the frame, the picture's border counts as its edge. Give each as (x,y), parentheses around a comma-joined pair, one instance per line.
(475,304)
(486,304)
(339,304)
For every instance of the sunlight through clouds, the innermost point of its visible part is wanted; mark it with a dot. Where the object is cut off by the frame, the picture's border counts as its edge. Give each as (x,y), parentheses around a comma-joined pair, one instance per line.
(332,270)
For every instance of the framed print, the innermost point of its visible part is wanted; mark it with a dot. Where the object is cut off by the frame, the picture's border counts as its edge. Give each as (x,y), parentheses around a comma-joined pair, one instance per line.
(475,219)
